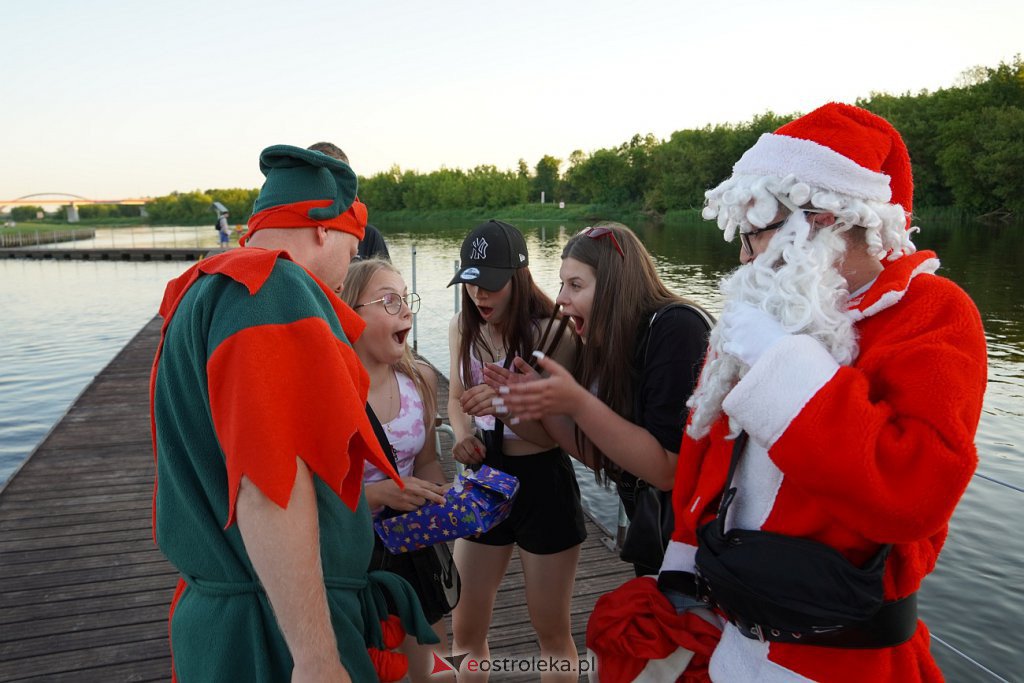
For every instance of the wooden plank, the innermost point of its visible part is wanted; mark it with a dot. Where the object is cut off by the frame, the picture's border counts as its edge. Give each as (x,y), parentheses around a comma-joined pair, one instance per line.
(47,665)
(42,523)
(69,623)
(91,605)
(9,573)
(78,577)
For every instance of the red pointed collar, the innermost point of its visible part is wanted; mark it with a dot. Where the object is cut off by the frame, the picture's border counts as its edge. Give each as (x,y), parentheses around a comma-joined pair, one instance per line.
(892,283)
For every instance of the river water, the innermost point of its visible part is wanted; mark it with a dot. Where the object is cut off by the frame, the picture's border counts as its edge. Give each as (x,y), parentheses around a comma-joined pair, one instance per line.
(61,322)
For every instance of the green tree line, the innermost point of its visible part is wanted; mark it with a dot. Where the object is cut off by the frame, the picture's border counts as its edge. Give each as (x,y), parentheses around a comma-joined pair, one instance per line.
(966,143)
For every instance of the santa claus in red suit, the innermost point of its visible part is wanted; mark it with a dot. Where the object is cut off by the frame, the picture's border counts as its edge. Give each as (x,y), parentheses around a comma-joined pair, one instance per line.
(854,376)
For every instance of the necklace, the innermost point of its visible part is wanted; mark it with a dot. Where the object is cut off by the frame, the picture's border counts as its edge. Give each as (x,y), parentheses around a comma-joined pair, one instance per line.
(392,385)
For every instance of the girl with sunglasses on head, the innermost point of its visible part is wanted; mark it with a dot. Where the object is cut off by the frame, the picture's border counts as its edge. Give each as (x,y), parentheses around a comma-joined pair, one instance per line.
(622,409)
(403,397)
(504,315)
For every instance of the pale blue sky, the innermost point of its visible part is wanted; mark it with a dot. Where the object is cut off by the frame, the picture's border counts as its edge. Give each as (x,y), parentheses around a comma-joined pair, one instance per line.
(112,99)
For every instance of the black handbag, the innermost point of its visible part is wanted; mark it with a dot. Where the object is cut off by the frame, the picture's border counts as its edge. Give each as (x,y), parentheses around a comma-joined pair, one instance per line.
(430,571)
(652,522)
(650,528)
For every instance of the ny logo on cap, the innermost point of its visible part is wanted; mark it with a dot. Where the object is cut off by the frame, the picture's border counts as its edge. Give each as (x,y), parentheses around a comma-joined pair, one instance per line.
(479,249)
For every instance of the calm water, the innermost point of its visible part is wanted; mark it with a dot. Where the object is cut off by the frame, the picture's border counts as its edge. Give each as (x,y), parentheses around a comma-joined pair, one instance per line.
(62,322)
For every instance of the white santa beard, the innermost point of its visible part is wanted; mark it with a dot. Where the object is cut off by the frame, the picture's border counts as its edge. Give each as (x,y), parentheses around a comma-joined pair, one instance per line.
(797,282)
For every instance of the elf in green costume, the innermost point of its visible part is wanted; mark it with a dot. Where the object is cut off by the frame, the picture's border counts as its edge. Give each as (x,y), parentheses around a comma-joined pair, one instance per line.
(260,437)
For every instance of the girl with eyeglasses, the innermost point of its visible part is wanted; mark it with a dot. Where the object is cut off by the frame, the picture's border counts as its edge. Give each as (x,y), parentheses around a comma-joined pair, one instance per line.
(622,409)
(504,315)
(403,396)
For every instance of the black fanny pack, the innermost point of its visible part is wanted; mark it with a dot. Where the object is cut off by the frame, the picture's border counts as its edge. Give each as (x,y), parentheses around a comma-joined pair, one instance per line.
(787,589)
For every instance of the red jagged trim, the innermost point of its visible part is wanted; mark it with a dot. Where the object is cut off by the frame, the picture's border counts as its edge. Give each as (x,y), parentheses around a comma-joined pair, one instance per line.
(270,404)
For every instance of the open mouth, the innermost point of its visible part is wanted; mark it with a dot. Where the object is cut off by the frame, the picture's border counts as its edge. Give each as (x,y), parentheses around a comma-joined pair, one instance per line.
(485,311)
(578,324)
(400,336)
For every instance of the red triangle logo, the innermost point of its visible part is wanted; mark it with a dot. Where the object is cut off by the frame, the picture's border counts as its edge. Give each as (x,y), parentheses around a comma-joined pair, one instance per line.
(441,665)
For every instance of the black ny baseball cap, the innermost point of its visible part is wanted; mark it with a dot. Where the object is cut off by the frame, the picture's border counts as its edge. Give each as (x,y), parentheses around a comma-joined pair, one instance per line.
(491,253)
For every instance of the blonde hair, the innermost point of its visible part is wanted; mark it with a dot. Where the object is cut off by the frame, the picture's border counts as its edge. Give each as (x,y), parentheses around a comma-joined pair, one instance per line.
(356,281)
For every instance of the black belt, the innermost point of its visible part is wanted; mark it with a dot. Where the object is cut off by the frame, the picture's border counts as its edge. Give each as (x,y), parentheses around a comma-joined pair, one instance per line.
(893,624)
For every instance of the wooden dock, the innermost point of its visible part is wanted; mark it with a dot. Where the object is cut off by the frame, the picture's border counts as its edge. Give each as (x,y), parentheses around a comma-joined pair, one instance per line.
(107,254)
(84,592)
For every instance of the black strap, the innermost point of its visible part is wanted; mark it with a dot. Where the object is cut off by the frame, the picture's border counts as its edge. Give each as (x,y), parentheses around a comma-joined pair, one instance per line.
(563,323)
(893,624)
(496,439)
(382,437)
(730,491)
(708,321)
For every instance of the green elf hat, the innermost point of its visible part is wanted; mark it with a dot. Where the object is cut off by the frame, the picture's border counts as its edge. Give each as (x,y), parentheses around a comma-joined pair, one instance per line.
(306,189)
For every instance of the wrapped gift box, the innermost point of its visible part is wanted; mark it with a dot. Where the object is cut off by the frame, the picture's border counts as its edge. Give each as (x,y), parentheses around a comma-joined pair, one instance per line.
(477,502)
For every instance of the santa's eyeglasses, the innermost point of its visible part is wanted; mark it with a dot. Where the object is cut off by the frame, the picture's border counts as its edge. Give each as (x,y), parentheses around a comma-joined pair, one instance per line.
(745,236)
(600,232)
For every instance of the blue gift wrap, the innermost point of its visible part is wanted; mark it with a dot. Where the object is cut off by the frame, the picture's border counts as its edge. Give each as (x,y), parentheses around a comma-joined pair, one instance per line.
(477,502)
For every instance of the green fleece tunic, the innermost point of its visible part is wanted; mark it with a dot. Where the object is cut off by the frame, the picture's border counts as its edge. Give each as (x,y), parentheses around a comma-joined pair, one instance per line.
(255,368)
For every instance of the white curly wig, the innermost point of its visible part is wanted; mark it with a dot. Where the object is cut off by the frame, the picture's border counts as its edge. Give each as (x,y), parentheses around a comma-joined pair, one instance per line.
(747,202)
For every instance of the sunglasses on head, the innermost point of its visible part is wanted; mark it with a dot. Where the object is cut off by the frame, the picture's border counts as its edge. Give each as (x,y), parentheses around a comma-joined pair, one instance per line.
(600,232)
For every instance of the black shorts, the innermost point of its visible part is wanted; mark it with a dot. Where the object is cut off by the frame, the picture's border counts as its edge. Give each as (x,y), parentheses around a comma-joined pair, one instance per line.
(547,516)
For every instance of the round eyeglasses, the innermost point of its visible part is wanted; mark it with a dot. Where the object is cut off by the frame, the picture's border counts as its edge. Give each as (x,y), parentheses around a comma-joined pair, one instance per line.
(393,302)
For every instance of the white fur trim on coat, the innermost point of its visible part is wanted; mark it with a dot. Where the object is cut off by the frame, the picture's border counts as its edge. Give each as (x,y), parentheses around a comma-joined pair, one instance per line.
(679,557)
(738,658)
(781,156)
(778,387)
(893,297)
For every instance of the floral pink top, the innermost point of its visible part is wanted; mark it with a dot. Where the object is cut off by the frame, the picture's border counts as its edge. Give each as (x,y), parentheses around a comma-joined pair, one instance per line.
(406,432)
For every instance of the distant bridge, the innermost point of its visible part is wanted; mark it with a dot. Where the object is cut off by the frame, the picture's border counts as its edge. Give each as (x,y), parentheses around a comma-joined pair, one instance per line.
(71,201)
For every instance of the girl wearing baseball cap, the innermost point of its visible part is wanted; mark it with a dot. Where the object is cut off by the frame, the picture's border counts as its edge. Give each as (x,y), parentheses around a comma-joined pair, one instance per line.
(504,315)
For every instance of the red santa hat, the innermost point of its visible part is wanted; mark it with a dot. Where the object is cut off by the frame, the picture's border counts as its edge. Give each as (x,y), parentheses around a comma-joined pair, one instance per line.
(838,158)
(837,147)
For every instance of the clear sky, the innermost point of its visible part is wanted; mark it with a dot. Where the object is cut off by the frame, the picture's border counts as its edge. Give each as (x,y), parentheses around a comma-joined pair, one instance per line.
(115,99)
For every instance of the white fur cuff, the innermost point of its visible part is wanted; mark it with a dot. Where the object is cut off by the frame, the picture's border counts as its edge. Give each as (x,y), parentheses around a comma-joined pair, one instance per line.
(778,387)
(679,557)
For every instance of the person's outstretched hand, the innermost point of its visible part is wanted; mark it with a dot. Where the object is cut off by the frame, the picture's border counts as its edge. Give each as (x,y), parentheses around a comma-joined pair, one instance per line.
(469,451)
(497,376)
(557,394)
(417,492)
(478,401)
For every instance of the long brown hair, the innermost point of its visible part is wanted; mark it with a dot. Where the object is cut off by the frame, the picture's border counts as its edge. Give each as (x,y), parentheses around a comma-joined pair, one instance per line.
(356,281)
(527,305)
(627,291)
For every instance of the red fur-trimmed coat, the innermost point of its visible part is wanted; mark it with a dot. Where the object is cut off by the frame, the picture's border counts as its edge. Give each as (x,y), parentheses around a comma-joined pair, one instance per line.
(855,457)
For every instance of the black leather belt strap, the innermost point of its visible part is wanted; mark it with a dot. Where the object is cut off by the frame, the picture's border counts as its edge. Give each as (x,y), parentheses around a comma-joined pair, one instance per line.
(894,623)
(677,582)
